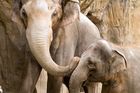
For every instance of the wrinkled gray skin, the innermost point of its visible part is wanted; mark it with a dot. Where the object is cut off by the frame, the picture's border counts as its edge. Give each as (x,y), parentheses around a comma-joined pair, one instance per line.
(116,67)
(55,37)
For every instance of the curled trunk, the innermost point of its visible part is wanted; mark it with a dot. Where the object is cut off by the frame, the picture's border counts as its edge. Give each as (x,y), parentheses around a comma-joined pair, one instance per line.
(77,78)
(39,39)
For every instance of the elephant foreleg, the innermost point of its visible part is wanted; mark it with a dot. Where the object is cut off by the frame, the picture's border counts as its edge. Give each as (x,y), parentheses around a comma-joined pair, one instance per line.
(35,91)
(54,84)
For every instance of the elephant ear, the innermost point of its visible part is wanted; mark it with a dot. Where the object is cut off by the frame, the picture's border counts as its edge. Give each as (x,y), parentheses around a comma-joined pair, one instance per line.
(118,62)
(71,12)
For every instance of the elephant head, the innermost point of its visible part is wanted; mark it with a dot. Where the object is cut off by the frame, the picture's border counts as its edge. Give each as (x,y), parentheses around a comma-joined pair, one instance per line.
(97,64)
(40,17)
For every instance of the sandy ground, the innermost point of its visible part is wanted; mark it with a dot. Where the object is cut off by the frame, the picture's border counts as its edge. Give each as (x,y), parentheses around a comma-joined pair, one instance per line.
(42,82)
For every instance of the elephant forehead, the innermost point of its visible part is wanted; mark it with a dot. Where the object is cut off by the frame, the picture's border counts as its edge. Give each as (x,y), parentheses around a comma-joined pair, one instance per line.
(41,4)
(93,57)
(90,53)
(44,4)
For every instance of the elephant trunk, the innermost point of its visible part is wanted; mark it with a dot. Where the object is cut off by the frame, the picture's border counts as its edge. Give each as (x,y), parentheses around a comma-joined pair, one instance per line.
(77,78)
(39,39)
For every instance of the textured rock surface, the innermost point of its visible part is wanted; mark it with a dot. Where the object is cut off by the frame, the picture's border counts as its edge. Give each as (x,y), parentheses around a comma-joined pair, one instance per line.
(118,20)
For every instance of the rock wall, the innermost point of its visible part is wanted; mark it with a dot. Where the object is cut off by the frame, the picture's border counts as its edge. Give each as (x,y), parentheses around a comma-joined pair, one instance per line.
(118,20)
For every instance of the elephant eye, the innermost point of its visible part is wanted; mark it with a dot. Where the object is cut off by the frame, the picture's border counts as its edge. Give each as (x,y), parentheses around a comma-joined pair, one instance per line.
(91,65)
(54,13)
(23,13)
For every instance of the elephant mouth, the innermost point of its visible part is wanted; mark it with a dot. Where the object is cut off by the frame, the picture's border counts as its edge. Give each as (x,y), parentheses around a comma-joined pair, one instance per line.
(95,77)
(90,79)
(84,83)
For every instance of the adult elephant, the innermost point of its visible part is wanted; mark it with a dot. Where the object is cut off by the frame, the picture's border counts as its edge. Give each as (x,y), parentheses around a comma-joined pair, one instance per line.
(56,31)
(116,67)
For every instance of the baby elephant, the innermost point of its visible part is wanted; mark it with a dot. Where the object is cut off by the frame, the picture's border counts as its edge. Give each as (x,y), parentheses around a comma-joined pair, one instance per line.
(115,67)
